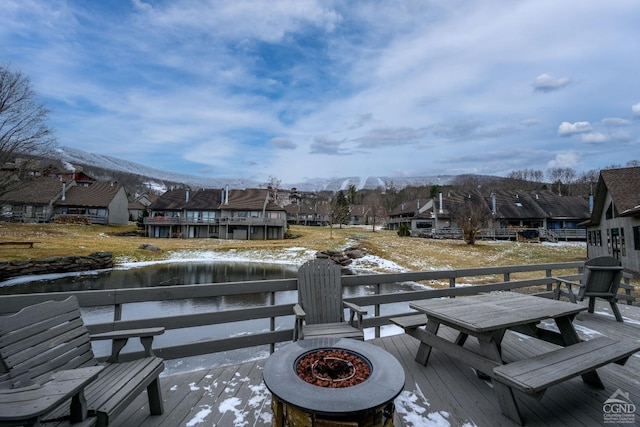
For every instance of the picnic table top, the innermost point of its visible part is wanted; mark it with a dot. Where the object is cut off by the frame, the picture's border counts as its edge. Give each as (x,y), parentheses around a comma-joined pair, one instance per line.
(494,311)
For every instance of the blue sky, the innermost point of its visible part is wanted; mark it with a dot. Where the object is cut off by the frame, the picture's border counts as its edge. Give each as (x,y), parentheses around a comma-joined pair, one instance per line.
(302,89)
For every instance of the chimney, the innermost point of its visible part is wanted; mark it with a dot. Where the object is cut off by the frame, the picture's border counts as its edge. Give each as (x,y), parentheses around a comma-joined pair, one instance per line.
(226,195)
(493,203)
(590,202)
(64,191)
(440,210)
(186,196)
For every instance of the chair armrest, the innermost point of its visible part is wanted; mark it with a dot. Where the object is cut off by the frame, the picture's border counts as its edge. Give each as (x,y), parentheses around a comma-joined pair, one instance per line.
(120,339)
(28,404)
(569,292)
(300,315)
(354,307)
(565,281)
(128,333)
(299,311)
(353,310)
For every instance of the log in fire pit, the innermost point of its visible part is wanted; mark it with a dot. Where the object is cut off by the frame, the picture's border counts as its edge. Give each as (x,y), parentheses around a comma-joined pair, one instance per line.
(333,382)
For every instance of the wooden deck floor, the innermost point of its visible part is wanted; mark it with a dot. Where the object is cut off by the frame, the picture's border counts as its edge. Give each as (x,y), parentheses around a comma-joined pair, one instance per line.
(445,392)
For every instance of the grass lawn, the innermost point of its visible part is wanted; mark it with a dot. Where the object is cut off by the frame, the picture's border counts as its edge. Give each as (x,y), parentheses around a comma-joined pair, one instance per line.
(414,254)
(411,253)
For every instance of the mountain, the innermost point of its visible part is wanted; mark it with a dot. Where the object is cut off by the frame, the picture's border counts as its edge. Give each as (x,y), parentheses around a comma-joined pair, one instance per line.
(108,167)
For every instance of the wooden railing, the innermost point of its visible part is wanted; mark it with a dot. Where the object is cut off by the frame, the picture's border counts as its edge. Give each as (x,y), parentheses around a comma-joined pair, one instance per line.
(448,282)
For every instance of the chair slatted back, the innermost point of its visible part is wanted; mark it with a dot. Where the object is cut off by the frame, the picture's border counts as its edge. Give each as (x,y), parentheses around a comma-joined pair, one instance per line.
(320,291)
(42,339)
(602,275)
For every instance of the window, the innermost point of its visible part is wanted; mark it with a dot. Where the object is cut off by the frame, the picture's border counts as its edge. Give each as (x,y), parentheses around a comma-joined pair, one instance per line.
(636,237)
(617,245)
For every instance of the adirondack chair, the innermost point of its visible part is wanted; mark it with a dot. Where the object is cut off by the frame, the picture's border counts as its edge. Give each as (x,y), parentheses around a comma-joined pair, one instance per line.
(601,279)
(320,308)
(46,359)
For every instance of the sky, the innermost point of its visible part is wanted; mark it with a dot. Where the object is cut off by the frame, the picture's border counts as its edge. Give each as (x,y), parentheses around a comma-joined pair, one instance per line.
(302,89)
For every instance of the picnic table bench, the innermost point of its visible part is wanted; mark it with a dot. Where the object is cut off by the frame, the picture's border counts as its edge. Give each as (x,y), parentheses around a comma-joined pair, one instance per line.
(487,317)
(18,243)
(46,344)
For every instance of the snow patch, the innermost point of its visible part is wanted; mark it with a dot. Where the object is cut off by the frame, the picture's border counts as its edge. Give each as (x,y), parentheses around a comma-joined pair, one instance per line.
(199,417)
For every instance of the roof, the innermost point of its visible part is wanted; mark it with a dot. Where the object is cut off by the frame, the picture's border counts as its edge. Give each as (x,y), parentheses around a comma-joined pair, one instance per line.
(408,208)
(98,194)
(562,206)
(517,205)
(136,206)
(38,191)
(624,187)
(212,199)
(172,199)
(249,199)
(510,204)
(202,200)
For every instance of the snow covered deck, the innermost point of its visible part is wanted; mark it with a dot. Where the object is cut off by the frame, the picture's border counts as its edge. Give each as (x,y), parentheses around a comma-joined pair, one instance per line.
(445,393)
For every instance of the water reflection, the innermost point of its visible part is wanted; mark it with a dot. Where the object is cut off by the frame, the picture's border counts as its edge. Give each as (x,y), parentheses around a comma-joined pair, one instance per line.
(163,274)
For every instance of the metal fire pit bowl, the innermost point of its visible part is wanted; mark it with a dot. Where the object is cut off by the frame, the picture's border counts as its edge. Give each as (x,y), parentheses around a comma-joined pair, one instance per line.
(383,385)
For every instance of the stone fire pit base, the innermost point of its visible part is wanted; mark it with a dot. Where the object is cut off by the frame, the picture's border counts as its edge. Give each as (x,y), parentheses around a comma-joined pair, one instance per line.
(296,402)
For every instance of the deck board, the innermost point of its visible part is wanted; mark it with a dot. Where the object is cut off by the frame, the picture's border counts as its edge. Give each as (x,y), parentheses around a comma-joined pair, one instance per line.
(444,392)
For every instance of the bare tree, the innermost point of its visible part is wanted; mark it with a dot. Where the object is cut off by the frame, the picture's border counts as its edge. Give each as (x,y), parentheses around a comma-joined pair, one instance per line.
(23,131)
(561,177)
(470,215)
(373,201)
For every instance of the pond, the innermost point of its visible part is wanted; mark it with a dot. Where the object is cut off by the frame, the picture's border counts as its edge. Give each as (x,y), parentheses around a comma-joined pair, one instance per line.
(184,273)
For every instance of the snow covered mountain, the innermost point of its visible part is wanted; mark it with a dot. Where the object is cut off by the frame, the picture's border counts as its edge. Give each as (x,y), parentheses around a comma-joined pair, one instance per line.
(156,178)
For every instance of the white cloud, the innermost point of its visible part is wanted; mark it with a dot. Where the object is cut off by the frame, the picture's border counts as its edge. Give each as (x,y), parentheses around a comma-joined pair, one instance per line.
(635,108)
(616,122)
(569,159)
(546,83)
(567,129)
(595,137)
(530,122)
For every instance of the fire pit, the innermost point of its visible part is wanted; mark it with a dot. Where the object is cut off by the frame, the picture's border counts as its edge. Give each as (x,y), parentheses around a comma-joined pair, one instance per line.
(333,381)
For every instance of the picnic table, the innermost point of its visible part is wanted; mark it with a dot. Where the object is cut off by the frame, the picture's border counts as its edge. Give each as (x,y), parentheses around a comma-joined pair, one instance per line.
(487,317)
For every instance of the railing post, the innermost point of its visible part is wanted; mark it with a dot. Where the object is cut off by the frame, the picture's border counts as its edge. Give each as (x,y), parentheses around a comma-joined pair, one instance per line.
(272,320)
(377,312)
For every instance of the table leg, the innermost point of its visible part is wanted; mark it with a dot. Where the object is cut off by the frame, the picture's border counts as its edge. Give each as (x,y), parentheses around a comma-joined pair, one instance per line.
(424,350)
(461,339)
(569,337)
(490,348)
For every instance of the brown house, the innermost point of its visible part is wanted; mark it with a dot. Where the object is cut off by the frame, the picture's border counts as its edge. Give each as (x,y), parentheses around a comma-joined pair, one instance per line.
(225,214)
(99,202)
(507,212)
(614,227)
(33,201)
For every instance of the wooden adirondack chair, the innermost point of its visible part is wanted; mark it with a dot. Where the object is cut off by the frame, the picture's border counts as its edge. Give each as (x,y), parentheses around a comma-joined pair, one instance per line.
(601,279)
(320,308)
(46,358)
